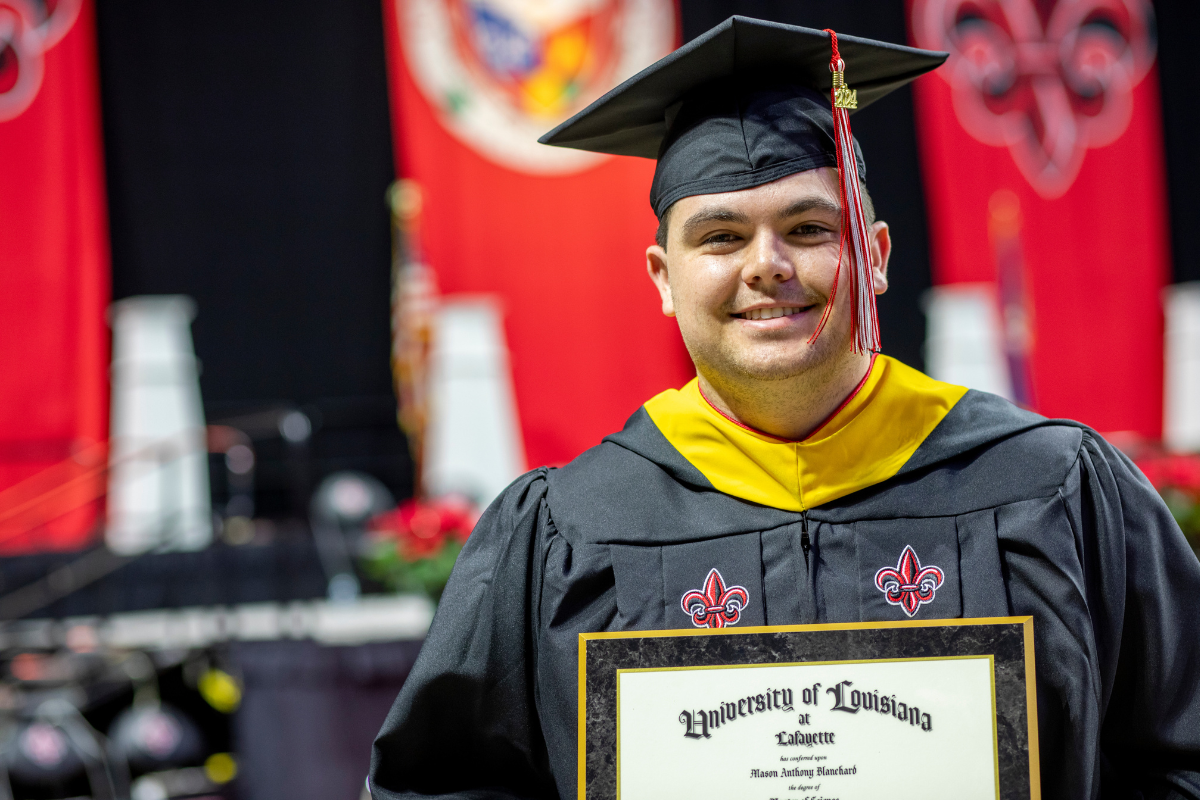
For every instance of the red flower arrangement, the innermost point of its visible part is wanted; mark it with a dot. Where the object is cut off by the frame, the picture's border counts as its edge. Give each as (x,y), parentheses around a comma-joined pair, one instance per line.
(413,547)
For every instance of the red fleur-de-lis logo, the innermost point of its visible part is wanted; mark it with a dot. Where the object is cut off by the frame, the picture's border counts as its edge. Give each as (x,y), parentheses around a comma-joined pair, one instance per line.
(909,585)
(1047,80)
(717,605)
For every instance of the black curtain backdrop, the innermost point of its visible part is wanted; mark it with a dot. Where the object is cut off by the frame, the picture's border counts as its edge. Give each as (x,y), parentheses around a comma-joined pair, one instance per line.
(248,151)
(1179,73)
(248,154)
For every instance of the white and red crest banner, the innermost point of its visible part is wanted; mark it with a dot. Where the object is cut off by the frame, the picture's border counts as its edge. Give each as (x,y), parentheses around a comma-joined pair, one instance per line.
(558,236)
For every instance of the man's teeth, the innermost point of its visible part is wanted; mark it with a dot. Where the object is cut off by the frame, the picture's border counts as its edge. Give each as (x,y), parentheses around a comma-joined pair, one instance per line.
(770,313)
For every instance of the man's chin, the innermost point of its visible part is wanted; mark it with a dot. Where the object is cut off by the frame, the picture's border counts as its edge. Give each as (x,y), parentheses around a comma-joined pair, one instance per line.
(778,372)
(771,369)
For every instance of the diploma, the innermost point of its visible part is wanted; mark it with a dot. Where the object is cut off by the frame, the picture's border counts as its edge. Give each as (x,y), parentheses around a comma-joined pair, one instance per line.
(824,712)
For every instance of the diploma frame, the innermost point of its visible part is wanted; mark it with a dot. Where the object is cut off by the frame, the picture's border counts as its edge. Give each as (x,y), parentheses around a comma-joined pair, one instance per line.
(1006,641)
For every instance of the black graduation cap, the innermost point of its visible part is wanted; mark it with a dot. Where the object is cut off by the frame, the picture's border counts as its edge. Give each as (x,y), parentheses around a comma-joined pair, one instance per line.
(750,102)
(744,104)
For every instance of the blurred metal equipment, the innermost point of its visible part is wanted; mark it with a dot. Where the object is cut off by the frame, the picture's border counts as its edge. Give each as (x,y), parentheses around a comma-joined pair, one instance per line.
(151,736)
(964,341)
(295,427)
(473,442)
(189,782)
(58,744)
(341,507)
(237,513)
(158,482)
(42,754)
(53,694)
(291,426)
(1181,413)
(375,618)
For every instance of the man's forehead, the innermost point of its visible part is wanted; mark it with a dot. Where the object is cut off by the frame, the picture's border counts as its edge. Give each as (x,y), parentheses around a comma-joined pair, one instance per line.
(811,189)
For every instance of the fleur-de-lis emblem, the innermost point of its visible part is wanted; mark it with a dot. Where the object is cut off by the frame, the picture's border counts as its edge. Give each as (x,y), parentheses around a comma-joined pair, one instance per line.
(1047,80)
(717,605)
(909,585)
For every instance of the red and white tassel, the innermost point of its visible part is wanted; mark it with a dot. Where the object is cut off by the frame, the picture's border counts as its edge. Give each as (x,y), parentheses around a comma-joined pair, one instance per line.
(864,319)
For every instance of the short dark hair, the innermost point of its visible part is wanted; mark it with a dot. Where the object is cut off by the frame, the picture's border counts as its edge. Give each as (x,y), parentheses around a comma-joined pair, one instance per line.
(660,236)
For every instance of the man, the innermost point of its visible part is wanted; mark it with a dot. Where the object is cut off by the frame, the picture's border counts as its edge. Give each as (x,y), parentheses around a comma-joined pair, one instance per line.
(797,466)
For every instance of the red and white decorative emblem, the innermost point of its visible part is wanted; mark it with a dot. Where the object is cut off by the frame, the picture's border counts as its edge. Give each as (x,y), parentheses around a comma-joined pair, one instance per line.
(28,28)
(500,73)
(1047,80)
(908,584)
(717,605)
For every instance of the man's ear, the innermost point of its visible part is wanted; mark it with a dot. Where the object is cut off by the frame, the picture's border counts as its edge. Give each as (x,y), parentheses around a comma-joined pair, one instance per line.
(880,239)
(656,268)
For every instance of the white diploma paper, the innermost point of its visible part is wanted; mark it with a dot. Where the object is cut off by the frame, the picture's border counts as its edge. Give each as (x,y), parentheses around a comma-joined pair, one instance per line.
(829,731)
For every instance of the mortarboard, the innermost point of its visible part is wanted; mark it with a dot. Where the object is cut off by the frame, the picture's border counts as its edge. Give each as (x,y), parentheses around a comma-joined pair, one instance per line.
(747,103)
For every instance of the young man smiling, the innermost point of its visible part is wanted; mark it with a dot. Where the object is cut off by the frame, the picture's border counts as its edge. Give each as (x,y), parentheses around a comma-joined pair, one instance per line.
(747,275)
(801,477)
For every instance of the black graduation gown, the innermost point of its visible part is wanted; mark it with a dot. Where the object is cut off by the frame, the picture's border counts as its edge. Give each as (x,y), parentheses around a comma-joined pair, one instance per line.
(1025,516)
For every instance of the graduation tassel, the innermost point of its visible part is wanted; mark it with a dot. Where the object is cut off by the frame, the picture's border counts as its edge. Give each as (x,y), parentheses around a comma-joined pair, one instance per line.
(864,319)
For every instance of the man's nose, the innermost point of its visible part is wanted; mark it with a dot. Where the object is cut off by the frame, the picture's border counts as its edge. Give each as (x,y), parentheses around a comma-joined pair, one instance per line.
(767,260)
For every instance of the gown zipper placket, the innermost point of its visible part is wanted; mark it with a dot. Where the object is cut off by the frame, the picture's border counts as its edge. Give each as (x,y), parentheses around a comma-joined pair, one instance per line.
(805,542)
(807,584)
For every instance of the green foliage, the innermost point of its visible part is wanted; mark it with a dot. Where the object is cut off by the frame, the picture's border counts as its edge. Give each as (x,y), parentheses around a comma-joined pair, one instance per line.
(425,575)
(1186,510)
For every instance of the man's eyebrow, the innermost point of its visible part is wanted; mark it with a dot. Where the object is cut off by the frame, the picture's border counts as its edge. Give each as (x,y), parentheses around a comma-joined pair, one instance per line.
(706,216)
(811,204)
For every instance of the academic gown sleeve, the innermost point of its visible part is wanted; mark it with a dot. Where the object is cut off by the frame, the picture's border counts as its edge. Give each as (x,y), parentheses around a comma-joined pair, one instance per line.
(1116,606)
(1150,742)
(465,724)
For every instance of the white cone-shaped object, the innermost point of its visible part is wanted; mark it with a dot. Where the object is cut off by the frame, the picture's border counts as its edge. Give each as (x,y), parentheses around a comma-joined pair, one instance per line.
(158,495)
(964,343)
(473,445)
(1181,398)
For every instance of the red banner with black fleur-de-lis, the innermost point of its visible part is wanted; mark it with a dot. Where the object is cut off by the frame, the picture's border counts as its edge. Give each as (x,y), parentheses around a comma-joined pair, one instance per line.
(1042,152)
(54,276)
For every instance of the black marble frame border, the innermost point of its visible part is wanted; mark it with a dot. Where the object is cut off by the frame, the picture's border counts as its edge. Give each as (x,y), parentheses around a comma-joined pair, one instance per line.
(1009,640)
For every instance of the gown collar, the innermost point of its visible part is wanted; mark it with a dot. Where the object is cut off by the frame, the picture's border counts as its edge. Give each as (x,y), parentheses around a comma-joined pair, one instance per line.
(864,442)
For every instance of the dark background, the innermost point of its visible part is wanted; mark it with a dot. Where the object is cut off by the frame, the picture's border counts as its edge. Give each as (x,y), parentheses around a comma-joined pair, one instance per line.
(248,151)
(1179,68)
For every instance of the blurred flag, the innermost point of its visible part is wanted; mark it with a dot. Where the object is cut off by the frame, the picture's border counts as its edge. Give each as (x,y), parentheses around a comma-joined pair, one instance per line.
(556,236)
(54,278)
(1042,152)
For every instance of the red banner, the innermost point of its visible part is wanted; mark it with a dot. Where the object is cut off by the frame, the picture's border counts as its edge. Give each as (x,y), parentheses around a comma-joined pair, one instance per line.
(54,277)
(558,235)
(1042,152)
